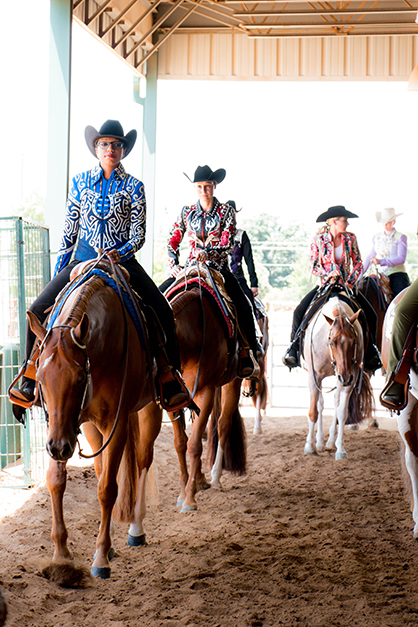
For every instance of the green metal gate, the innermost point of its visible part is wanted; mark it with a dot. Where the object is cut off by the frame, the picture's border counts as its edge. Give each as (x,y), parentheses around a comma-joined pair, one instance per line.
(24,272)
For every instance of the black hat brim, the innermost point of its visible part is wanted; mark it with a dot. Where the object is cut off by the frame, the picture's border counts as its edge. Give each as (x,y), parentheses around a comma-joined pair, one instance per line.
(92,135)
(336,212)
(217,176)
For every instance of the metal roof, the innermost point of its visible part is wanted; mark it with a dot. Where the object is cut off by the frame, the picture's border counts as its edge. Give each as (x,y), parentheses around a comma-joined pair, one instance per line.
(136,29)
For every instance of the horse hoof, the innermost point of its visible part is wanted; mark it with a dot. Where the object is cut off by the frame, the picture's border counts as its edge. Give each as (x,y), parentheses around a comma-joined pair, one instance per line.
(308,450)
(180,502)
(187,508)
(136,540)
(103,573)
(341,455)
(258,431)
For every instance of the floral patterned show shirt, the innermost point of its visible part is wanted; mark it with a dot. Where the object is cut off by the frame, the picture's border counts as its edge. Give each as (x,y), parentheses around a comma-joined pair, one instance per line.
(212,231)
(323,259)
(103,214)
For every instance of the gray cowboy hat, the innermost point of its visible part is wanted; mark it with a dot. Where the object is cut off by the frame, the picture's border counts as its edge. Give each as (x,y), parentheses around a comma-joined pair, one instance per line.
(205,173)
(338,211)
(111,128)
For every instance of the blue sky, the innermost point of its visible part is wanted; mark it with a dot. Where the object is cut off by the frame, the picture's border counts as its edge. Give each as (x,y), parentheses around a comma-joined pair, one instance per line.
(292,148)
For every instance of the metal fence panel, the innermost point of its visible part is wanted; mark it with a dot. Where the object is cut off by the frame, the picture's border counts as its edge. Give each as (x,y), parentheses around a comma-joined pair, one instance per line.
(24,272)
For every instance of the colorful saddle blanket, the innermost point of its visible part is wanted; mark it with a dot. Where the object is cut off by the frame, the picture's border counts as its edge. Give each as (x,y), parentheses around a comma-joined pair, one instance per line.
(212,283)
(88,273)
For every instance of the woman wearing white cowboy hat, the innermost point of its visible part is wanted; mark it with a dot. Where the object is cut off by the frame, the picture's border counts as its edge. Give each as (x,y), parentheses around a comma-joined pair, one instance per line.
(106,211)
(389,249)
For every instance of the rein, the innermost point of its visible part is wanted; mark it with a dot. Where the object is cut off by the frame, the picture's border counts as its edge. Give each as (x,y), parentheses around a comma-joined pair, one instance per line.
(116,276)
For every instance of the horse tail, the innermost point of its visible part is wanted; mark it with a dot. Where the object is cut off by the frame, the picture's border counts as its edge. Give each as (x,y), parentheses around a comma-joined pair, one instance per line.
(262,392)
(235,452)
(128,475)
(361,405)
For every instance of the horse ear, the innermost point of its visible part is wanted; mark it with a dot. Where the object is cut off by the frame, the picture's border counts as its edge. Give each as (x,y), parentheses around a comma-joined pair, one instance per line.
(355,316)
(329,320)
(82,328)
(36,326)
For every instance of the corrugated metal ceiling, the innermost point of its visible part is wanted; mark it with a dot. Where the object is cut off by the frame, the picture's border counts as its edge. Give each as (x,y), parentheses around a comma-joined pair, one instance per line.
(136,29)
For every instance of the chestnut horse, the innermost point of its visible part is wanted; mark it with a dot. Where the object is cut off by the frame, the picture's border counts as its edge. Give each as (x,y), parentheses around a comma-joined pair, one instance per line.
(93,370)
(333,345)
(209,361)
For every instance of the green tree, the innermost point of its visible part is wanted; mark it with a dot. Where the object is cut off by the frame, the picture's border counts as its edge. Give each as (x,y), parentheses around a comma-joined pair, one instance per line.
(282,250)
(33,208)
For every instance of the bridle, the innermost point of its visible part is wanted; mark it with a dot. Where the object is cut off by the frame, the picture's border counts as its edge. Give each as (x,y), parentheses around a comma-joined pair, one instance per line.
(352,327)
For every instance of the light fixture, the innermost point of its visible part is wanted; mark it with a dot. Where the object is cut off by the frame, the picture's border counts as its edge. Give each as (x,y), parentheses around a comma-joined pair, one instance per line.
(413,80)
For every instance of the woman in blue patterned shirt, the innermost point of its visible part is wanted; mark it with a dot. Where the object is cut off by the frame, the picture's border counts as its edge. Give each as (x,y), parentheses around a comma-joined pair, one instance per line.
(106,212)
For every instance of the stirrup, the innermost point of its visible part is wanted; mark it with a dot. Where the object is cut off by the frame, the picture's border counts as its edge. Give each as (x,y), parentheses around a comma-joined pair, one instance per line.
(248,367)
(387,403)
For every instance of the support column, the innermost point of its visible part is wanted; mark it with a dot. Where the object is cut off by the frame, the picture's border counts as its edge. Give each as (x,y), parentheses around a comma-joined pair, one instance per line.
(148,159)
(58,118)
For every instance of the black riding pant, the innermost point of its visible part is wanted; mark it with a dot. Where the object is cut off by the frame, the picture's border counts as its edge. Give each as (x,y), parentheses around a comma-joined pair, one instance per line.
(398,282)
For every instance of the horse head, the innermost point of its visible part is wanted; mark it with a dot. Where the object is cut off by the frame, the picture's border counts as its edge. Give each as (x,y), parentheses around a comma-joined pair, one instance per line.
(63,374)
(343,345)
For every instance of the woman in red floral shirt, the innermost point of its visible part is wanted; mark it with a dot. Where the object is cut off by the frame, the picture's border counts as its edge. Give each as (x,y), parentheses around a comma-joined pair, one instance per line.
(335,256)
(210,227)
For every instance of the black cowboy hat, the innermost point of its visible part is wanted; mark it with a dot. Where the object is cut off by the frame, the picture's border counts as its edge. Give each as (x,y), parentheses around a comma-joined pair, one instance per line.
(205,173)
(111,128)
(336,212)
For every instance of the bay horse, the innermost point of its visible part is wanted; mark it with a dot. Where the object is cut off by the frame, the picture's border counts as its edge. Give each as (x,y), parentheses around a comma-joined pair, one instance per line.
(333,345)
(258,390)
(92,370)
(407,418)
(209,361)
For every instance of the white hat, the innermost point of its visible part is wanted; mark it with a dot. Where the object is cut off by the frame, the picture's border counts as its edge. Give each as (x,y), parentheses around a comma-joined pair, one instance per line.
(387,215)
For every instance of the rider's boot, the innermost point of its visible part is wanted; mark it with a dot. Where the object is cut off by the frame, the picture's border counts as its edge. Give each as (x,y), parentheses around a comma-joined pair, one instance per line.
(291,358)
(173,391)
(248,367)
(394,395)
(26,392)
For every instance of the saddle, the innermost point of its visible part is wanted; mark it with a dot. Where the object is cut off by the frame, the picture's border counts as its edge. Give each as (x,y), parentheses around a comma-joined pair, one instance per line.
(211,281)
(80,275)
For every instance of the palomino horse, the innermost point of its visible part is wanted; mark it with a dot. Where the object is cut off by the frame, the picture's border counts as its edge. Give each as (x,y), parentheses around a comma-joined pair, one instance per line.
(407,419)
(93,369)
(333,345)
(258,390)
(209,366)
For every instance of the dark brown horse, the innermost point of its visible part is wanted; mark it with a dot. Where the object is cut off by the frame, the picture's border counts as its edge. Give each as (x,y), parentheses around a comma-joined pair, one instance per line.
(258,390)
(371,288)
(93,370)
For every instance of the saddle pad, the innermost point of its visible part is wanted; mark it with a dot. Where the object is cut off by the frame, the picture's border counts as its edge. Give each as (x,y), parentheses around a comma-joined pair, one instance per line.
(180,288)
(313,308)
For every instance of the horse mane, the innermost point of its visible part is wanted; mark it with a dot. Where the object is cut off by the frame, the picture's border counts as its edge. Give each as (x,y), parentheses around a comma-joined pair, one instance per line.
(84,296)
